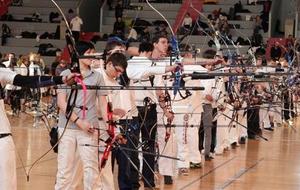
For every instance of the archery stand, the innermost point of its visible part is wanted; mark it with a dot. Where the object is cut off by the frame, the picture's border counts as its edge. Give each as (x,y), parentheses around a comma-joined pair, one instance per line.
(37,115)
(37,112)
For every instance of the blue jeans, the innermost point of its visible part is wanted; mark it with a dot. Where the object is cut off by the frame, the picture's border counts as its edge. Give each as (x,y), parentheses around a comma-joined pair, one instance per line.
(128,161)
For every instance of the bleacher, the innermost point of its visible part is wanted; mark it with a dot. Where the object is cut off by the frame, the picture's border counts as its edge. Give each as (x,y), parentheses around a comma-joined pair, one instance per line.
(44,8)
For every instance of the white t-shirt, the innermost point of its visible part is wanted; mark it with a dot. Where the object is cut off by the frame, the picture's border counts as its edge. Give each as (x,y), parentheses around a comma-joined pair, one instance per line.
(76,23)
(187,21)
(132,34)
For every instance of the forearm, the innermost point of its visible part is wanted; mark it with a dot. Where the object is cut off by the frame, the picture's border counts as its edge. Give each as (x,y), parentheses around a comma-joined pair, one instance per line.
(102,103)
(62,104)
(162,100)
(36,81)
(142,72)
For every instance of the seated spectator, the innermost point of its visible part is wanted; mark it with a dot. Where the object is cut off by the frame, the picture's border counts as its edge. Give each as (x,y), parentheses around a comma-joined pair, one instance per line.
(187,22)
(276,52)
(119,28)
(61,67)
(223,25)
(132,36)
(6,33)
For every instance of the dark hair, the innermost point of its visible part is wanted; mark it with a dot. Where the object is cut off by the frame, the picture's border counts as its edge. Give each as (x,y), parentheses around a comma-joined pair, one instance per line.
(118,59)
(82,47)
(110,46)
(145,47)
(156,38)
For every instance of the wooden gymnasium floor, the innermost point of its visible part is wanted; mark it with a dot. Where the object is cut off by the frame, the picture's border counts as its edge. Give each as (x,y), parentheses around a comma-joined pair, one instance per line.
(257,165)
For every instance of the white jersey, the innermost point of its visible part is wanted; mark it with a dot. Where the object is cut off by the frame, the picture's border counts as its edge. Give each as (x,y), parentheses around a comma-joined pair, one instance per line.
(139,70)
(76,23)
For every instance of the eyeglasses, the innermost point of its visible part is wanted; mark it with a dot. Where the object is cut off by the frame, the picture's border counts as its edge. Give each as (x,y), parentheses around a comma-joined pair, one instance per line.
(118,70)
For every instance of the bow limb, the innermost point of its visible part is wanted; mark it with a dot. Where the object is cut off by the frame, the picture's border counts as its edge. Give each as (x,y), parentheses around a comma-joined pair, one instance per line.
(214,38)
(169,25)
(175,48)
(111,132)
(69,112)
(173,39)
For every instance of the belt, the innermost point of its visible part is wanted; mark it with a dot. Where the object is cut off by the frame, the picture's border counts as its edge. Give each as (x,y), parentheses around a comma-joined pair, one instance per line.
(151,106)
(4,135)
(127,121)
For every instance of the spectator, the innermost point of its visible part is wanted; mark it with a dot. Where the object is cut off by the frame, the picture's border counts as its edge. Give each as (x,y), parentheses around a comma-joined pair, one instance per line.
(132,37)
(276,52)
(6,32)
(61,67)
(70,15)
(289,49)
(223,25)
(76,23)
(9,59)
(187,22)
(119,28)
(24,64)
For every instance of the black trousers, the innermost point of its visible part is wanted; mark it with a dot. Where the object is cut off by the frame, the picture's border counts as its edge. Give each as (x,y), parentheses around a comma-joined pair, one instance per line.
(288,106)
(253,122)
(148,122)
(128,161)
